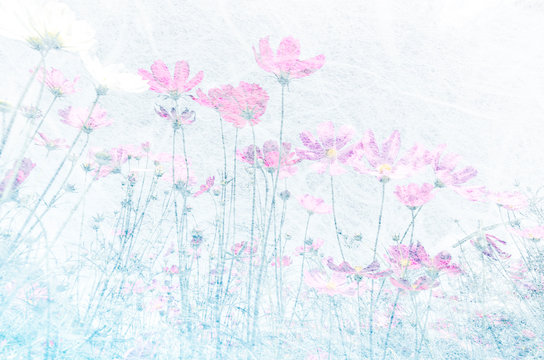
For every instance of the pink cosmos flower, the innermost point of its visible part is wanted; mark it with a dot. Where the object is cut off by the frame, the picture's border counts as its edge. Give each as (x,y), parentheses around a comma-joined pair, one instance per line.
(205,187)
(216,99)
(444,169)
(186,117)
(420,284)
(57,84)
(50,144)
(79,118)
(330,150)
(161,81)
(489,247)
(441,262)
(383,163)
(283,261)
(246,104)
(413,195)
(401,258)
(314,205)
(23,172)
(336,284)
(270,156)
(510,200)
(181,173)
(285,63)
(532,233)
(108,161)
(243,247)
(371,271)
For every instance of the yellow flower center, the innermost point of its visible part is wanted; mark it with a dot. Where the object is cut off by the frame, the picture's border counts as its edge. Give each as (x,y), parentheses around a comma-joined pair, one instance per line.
(384,168)
(331,153)
(404,262)
(358,268)
(331,285)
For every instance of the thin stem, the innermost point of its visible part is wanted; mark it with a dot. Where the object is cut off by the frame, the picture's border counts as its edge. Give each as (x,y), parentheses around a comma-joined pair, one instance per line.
(336,223)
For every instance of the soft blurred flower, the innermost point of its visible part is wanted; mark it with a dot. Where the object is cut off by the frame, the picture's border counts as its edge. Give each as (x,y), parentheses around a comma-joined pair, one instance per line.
(488,245)
(245,104)
(420,284)
(216,98)
(80,118)
(335,284)
(45,25)
(160,80)
(183,176)
(57,84)
(186,117)
(371,271)
(314,205)
(50,144)
(330,150)
(205,187)
(25,167)
(113,77)
(269,157)
(510,200)
(401,258)
(383,162)
(283,261)
(532,233)
(285,64)
(413,195)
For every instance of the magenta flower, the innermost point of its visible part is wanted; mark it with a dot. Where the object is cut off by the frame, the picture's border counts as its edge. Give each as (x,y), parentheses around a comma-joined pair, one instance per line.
(246,104)
(205,187)
(534,233)
(336,284)
(57,84)
(383,162)
(402,257)
(314,205)
(330,150)
(50,144)
(441,262)
(413,195)
(25,167)
(162,82)
(285,63)
(371,271)
(216,99)
(79,118)
(269,157)
(509,200)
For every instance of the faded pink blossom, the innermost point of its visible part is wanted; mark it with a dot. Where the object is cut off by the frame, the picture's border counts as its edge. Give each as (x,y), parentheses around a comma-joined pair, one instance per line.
(243,247)
(401,258)
(283,261)
(335,284)
(269,157)
(489,247)
(216,99)
(311,245)
(531,233)
(330,149)
(510,200)
(171,270)
(314,205)
(80,118)
(181,173)
(55,81)
(245,104)
(50,144)
(162,82)
(413,195)
(444,168)
(383,162)
(285,64)
(420,284)
(205,187)
(441,262)
(371,271)
(25,167)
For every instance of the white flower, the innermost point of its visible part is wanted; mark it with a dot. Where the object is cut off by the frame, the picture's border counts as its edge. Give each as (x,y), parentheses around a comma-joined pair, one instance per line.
(51,25)
(114,76)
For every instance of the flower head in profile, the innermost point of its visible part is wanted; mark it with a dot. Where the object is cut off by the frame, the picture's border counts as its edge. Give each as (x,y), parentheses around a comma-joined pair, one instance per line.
(160,80)
(50,144)
(489,246)
(245,105)
(56,83)
(371,271)
(178,119)
(314,205)
(510,200)
(81,119)
(329,150)
(534,233)
(45,26)
(285,63)
(21,174)
(269,156)
(216,98)
(335,284)
(383,161)
(413,195)
(113,76)
(205,187)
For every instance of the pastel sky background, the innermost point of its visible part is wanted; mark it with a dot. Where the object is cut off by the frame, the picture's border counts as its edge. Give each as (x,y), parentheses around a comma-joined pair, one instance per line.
(466,73)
